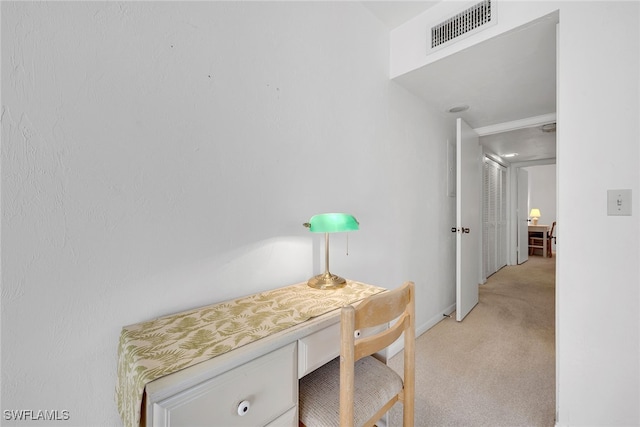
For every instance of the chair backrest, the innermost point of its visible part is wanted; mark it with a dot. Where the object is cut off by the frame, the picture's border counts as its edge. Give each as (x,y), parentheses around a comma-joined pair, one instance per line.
(550,234)
(376,310)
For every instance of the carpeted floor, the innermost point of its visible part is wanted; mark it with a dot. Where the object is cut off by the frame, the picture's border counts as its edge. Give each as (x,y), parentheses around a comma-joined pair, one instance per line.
(497,366)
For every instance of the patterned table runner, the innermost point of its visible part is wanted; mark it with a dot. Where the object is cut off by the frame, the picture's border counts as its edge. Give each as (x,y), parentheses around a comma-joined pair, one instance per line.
(153,349)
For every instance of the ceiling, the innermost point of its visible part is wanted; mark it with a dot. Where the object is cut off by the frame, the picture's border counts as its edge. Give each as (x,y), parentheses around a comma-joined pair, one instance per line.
(395,13)
(508,78)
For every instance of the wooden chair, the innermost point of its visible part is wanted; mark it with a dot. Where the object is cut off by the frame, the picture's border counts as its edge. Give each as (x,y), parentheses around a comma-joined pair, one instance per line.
(550,238)
(357,389)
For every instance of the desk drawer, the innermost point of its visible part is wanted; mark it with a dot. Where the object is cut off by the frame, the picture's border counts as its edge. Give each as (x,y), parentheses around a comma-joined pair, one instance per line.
(288,419)
(268,384)
(323,346)
(318,348)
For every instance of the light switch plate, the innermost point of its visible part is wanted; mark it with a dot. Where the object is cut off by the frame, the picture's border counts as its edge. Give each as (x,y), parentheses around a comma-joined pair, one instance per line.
(619,202)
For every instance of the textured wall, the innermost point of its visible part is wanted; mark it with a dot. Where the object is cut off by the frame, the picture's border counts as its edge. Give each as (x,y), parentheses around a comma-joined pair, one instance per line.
(158,156)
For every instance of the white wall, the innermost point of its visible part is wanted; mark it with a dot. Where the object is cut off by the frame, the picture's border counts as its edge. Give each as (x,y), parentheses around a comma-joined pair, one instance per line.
(598,297)
(542,193)
(160,156)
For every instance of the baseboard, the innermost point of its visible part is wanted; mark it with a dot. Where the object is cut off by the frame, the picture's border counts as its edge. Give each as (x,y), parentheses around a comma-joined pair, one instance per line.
(397,346)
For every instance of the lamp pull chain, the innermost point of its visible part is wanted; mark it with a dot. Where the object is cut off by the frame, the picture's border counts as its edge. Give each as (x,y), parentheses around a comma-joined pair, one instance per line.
(347,244)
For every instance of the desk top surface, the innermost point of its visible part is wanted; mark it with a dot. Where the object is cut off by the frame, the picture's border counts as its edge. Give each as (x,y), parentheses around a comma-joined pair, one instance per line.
(153,349)
(538,227)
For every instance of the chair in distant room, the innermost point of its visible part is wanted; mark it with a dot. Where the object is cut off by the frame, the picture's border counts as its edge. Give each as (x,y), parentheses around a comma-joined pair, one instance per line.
(551,238)
(357,389)
(536,241)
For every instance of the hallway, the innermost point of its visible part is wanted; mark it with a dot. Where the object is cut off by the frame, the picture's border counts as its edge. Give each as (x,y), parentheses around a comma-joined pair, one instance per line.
(497,367)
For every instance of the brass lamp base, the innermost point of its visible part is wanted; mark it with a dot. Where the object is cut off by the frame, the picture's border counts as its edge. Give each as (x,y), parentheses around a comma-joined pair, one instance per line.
(327,281)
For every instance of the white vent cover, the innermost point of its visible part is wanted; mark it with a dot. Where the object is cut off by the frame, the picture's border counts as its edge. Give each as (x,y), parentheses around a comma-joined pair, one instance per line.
(461,23)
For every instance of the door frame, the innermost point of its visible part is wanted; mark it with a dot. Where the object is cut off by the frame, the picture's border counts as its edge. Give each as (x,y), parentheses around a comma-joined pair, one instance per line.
(512,200)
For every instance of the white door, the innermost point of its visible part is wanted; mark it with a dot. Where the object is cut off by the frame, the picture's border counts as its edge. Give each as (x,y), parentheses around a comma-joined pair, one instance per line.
(523,215)
(468,218)
(494,217)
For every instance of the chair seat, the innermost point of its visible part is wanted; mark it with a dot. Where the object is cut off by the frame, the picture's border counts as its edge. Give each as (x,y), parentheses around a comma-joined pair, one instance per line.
(319,394)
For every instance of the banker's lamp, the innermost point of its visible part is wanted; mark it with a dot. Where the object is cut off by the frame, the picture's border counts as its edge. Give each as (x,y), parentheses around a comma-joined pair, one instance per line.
(535,214)
(329,223)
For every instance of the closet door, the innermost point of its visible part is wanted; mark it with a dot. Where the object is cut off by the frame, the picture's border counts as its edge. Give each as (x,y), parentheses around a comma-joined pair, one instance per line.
(494,212)
(502,221)
(487,246)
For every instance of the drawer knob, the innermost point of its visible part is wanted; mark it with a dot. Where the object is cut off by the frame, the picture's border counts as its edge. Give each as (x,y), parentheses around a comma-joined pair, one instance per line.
(243,407)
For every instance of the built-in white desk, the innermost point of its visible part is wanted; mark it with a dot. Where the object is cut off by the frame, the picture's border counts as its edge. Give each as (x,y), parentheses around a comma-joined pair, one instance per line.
(538,233)
(235,363)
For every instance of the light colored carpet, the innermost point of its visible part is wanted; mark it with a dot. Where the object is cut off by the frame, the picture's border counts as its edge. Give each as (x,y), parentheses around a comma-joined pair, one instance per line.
(497,366)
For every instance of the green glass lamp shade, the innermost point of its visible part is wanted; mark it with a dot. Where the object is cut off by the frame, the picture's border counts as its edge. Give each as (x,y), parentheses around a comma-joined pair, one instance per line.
(329,223)
(332,223)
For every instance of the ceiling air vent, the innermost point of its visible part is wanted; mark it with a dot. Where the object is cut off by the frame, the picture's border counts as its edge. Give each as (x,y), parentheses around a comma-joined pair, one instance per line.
(462,23)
